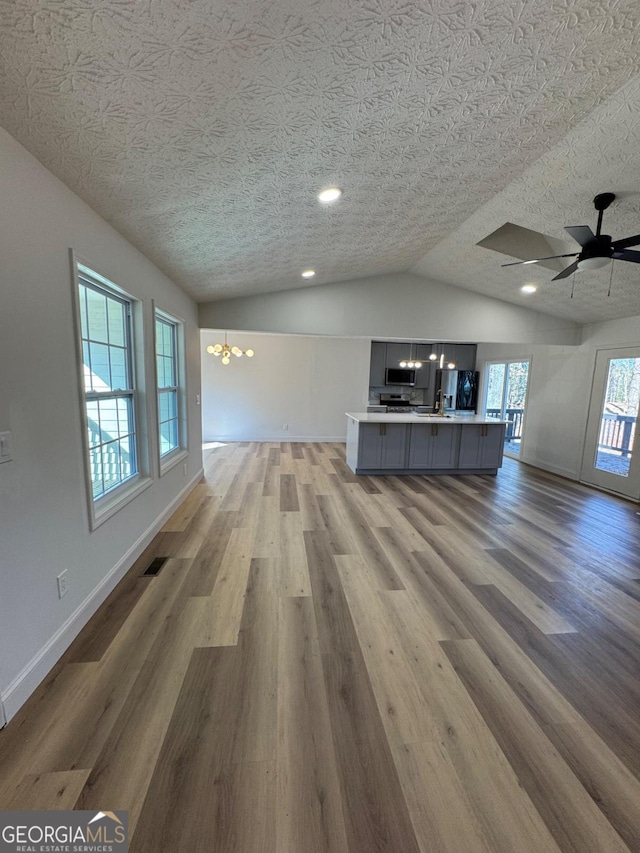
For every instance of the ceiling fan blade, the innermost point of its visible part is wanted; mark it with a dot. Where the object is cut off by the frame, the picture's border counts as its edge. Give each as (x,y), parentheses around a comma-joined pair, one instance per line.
(581,234)
(550,258)
(634,257)
(628,241)
(569,270)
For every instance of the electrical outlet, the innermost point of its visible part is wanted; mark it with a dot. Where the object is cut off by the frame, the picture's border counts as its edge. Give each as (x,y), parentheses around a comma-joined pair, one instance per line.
(184,469)
(63,584)
(285,426)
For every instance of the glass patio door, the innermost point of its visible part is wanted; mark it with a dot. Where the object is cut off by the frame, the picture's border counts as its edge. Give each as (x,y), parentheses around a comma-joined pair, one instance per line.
(505,399)
(609,460)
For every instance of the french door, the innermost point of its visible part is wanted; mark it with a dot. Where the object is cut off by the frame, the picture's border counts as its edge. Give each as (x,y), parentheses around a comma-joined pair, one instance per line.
(609,460)
(505,399)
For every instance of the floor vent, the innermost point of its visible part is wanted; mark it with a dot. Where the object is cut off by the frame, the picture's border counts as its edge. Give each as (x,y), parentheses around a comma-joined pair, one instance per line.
(156,565)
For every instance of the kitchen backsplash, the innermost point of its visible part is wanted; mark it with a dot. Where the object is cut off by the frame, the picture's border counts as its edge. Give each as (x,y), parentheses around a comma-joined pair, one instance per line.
(416,397)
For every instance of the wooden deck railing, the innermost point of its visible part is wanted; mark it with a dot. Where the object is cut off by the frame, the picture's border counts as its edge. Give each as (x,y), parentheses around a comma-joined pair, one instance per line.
(514,417)
(109,463)
(617,433)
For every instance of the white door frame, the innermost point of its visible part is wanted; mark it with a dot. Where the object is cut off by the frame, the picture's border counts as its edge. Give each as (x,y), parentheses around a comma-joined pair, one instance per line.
(485,390)
(629,486)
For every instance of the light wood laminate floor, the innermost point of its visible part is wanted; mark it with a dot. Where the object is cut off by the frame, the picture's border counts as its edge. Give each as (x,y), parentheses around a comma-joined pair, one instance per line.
(337,664)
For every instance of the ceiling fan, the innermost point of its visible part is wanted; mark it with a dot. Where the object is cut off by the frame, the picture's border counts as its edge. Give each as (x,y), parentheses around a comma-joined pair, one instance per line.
(597,249)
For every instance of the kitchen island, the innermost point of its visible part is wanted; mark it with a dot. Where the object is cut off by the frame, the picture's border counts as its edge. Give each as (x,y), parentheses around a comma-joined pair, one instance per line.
(411,443)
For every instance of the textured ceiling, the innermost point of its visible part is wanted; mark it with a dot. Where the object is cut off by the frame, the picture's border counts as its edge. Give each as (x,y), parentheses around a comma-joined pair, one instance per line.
(601,154)
(202,130)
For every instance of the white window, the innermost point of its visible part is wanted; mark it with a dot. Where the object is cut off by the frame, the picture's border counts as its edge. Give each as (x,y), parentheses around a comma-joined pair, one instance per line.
(505,399)
(169,337)
(110,396)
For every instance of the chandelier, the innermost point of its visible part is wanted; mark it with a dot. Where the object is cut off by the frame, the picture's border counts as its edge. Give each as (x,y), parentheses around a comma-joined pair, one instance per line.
(441,359)
(226,351)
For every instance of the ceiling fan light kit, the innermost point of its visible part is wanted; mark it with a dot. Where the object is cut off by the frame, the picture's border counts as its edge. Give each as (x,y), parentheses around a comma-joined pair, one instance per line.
(593,263)
(597,249)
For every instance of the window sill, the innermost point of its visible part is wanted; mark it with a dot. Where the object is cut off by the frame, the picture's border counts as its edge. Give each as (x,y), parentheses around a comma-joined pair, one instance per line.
(108,506)
(172,459)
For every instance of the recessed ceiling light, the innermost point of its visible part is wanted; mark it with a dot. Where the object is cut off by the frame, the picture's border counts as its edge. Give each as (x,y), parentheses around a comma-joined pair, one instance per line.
(329,195)
(308,274)
(528,288)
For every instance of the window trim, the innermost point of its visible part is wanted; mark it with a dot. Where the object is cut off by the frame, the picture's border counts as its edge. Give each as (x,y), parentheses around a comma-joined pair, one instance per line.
(181,452)
(105,506)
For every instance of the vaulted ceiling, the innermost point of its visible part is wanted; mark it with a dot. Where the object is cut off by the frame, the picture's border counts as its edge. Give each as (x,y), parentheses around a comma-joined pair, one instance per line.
(202,130)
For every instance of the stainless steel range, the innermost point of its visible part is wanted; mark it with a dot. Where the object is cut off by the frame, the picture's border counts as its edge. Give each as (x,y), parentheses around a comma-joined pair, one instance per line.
(396,402)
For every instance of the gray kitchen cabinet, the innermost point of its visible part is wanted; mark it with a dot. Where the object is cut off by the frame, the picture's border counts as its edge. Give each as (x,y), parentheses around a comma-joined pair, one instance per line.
(390,354)
(409,445)
(378,363)
(394,446)
(464,355)
(382,445)
(444,446)
(425,374)
(422,352)
(397,352)
(369,447)
(481,446)
(420,450)
(434,446)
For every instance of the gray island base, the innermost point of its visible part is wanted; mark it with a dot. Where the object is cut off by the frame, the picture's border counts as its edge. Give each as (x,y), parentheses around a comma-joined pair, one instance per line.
(379,443)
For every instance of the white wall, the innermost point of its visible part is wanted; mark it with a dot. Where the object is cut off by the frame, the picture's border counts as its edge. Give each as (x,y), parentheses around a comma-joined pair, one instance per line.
(306,382)
(556,405)
(560,390)
(401,306)
(43,513)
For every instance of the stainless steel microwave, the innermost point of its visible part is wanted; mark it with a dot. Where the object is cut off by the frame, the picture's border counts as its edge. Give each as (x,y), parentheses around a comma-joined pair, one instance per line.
(400,376)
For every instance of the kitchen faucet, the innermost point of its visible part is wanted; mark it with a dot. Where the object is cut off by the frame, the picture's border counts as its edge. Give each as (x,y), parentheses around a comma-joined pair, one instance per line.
(440,400)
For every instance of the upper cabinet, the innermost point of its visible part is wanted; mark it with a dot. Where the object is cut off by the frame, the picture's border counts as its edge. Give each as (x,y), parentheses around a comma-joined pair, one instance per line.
(390,354)
(426,374)
(385,355)
(397,353)
(378,363)
(464,356)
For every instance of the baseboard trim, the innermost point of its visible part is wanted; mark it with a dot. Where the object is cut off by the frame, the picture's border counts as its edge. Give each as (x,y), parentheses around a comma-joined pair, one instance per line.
(26,682)
(567,475)
(552,469)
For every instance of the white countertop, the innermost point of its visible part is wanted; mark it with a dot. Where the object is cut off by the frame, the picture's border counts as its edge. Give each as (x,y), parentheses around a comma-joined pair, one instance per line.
(414,418)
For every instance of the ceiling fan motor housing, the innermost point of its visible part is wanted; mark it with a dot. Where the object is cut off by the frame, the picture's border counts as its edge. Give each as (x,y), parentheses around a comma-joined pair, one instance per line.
(598,248)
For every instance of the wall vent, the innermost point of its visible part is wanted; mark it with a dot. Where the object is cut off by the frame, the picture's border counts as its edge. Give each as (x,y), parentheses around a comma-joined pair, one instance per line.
(156,565)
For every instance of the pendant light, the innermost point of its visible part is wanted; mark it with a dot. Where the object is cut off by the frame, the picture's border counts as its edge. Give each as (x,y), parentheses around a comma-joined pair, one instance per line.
(226,351)
(451,365)
(411,362)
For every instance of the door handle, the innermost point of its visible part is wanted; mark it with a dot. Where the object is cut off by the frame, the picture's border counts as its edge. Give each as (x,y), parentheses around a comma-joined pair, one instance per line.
(383,429)
(434,429)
